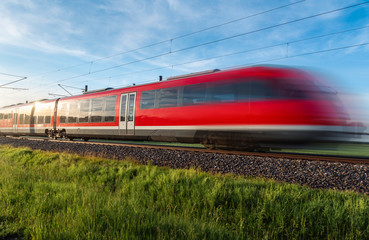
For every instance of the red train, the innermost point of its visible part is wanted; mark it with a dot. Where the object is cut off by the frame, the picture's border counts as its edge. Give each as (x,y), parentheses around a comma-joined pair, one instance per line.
(237,107)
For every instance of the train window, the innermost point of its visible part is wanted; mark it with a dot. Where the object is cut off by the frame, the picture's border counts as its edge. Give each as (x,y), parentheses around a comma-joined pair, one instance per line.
(21,118)
(47,119)
(48,114)
(73,112)
(131,105)
(15,118)
(261,90)
(221,93)
(148,99)
(97,109)
(110,104)
(194,94)
(168,97)
(123,106)
(63,112)
(242,91)
(84,110)
(295,92)
(26,118)
(5,116)
(1,116)
(40,119)
(35,115)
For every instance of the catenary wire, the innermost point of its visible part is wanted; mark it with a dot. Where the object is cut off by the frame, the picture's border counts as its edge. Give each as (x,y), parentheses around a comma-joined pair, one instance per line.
(320,14)
(238,52)
(170,40)
(214,41)
(294,56)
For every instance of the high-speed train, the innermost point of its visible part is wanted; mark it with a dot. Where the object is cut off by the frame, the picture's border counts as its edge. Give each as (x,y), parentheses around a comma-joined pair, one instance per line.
(238,107)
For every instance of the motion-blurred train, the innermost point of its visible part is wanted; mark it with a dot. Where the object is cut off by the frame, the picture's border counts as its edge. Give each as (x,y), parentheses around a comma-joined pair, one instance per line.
(238,108)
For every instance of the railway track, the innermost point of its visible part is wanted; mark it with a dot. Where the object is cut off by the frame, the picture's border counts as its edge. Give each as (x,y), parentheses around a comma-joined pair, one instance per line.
(289,155)
(315,171)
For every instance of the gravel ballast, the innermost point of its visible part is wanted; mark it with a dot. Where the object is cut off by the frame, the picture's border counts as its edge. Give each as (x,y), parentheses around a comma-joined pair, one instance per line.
(315,174)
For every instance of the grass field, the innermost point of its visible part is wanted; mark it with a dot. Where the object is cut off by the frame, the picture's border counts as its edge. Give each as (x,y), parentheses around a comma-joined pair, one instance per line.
(63,196)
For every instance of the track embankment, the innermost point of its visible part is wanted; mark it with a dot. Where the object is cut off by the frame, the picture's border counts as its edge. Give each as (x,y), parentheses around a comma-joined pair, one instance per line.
(315,174)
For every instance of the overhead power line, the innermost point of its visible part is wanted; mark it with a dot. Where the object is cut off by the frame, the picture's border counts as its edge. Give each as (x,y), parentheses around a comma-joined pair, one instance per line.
(240,52)
(305,54)
(10,75)
(285,23)
(21,78)
(57,95)
(214,41)
(236,20)
(65,89)
(174,38)
(291,56)
(15,88)
(71,87)
(271,27)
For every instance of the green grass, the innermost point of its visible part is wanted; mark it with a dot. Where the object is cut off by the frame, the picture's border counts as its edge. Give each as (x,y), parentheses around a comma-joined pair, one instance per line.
(61,196)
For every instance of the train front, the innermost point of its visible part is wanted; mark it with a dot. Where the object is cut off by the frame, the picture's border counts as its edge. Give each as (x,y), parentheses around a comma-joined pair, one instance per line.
(303,109)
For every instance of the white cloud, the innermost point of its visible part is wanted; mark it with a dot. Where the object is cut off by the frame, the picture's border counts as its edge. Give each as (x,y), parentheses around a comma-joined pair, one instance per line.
(26,24)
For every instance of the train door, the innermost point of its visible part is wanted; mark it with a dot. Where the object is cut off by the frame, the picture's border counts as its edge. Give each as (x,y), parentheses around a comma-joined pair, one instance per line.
(127,114)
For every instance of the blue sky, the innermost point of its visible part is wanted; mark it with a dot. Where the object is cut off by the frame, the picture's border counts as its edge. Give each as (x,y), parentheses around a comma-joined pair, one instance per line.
(72,42)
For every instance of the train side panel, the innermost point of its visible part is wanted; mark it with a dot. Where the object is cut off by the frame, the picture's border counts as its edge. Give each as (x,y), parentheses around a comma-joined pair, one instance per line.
(89,116)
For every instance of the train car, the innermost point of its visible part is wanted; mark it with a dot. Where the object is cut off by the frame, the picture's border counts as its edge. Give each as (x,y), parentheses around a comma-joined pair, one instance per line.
(89,116)
(33,119)
(23,119)
(42,118)
(238,107)
(235,107)
(7,125)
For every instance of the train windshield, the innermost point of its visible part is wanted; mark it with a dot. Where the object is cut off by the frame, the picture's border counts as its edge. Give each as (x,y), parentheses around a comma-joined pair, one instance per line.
(303,89)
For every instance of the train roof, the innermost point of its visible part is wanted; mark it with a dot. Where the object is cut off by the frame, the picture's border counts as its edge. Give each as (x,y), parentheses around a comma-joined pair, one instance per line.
(27,103)
(108,91)
(181,77)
